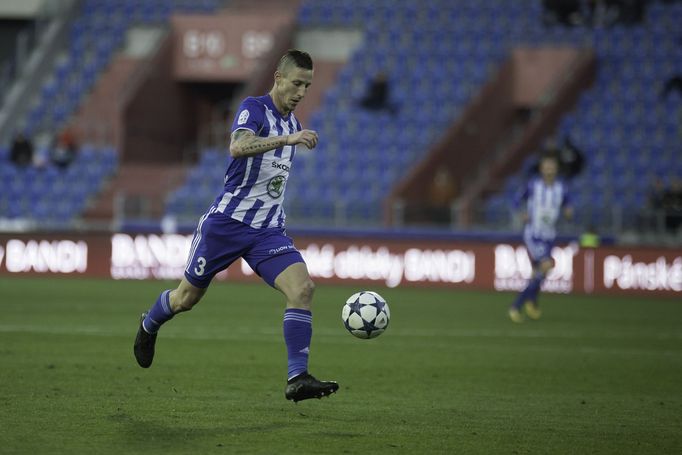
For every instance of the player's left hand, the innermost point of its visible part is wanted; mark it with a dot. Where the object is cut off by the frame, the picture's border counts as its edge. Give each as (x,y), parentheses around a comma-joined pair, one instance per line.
(305,137)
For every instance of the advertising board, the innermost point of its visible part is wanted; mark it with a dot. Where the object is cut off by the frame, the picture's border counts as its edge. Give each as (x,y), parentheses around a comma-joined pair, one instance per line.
(382,262)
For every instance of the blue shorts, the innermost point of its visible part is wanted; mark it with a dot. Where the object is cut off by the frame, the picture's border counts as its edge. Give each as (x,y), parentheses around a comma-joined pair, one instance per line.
(220,240)
(538,249)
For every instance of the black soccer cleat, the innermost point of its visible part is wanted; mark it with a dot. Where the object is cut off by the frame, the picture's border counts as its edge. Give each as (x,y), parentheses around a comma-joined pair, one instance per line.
(144,345)
(305,386)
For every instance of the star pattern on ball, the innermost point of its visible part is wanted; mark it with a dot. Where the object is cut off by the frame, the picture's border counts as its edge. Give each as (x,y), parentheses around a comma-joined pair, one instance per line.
(365,314)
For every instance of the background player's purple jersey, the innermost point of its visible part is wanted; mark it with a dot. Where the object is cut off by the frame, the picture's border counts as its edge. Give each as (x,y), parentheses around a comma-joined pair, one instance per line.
(254,186)
(544,204)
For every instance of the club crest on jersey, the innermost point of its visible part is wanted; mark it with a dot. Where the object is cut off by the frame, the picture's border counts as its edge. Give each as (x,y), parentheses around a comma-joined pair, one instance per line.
(243,117)
(276,186)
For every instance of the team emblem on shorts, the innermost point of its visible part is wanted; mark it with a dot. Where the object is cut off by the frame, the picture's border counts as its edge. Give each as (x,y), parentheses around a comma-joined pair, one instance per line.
(276,186)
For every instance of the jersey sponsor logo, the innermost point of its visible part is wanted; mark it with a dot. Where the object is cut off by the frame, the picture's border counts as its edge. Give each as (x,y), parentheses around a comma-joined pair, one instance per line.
(282,167)
(243,117)
(276,186)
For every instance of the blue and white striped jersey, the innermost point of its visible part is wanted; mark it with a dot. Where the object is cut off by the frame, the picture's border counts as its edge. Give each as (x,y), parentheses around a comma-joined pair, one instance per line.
(544,204)
(254,186)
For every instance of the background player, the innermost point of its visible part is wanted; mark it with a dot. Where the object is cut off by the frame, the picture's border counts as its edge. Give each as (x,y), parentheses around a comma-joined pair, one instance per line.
(247,220)
(545,198)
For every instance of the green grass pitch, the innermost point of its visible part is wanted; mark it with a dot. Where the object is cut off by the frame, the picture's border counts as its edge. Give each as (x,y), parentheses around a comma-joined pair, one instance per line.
(451,375)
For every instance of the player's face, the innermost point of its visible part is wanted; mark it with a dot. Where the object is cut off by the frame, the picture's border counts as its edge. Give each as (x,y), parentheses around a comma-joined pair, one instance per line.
(292,86)
(549,168)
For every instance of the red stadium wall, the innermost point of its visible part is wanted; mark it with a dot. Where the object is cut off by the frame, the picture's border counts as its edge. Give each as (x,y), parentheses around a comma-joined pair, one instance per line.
(488,266)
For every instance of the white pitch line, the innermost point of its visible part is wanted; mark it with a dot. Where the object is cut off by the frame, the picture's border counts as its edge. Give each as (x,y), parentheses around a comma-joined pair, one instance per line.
(401,337)
(234,332)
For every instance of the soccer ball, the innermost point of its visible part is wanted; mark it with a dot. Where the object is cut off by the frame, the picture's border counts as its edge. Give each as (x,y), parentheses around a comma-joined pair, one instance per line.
(366,314)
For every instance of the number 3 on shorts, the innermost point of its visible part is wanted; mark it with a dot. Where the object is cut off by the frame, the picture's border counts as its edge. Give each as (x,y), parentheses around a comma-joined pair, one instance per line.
(201,263)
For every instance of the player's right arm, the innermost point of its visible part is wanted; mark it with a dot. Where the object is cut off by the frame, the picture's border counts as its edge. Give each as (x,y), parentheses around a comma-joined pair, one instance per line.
(245,143)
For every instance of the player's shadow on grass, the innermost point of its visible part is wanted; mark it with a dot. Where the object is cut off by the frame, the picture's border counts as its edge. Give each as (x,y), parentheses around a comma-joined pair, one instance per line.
(144,433)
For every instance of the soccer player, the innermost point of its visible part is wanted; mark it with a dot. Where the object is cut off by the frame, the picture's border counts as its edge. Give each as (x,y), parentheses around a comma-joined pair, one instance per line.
(545,198)
(247,220)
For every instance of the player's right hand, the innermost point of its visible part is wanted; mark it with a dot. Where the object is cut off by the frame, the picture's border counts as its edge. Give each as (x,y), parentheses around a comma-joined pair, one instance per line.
(305,137)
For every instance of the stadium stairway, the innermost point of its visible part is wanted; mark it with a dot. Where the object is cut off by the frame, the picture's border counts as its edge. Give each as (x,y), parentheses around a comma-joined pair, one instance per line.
(98,119)
(502,109)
